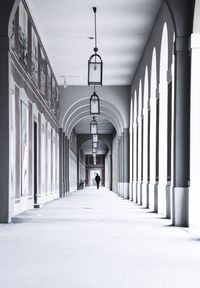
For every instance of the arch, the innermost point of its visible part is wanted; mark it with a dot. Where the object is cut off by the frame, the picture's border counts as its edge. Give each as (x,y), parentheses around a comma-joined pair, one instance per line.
(163,112)
(145,138)
(80,110)
(153,129)
(88,141)
(88,137)
(140,152)
(135,147)
(86,114)
(131,150)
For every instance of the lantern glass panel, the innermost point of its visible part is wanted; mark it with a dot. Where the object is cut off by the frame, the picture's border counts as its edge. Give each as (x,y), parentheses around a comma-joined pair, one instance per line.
(95,138)
(94,106)
(93,128)
(94,145)
(95,73)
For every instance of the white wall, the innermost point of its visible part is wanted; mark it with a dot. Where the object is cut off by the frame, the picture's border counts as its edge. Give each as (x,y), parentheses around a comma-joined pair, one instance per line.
(72,171)
(107,170)
(115,164)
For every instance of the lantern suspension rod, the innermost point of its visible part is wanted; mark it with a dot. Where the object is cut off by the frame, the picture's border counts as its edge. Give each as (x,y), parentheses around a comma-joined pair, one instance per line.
(95,26)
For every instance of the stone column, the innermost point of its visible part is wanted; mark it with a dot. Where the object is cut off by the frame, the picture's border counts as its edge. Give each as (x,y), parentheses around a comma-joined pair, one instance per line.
(181,133)
(66,171)
(148,151)
(157,152)
(4,128)
(120,163)
(194,219)
(136,160)
(131,157)
(61,169)
(182,12)
(78,174)
(7,11)
(126,163)
(111,172)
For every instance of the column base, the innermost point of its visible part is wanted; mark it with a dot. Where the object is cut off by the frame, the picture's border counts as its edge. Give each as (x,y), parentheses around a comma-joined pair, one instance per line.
(118,190)
(126,190)
(134,192)
(144,194)
(168,202)
(180,206)
(156,198)
(137,192)
(131,191)
(140,188)
(121,189)
(147,193)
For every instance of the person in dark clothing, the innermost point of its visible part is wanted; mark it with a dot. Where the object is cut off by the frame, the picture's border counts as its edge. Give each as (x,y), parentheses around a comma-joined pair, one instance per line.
(97,179)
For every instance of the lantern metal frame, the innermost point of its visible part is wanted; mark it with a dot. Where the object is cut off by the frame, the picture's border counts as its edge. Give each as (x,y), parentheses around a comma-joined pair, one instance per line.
(93,123)
(95,59)
(93,99)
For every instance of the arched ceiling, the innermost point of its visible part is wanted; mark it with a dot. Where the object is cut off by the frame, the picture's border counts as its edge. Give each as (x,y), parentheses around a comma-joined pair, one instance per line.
(104,126)
(102,147)
(65,27)
(78,115)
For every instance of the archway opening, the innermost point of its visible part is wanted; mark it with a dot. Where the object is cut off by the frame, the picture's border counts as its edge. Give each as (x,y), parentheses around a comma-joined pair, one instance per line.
(153,132)
(163,122)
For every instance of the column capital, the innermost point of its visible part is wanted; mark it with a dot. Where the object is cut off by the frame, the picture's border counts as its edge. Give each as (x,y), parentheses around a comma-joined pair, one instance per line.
(181,44)
(182,12)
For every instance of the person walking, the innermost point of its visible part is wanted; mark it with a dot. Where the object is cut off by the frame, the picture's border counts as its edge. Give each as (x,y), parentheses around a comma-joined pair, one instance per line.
(97,179)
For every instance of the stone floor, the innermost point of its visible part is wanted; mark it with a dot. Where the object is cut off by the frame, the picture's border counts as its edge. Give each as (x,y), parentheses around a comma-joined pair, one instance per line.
(95,239)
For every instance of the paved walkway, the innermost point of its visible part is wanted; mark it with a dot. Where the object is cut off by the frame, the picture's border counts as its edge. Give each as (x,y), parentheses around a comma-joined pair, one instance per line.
(94,239)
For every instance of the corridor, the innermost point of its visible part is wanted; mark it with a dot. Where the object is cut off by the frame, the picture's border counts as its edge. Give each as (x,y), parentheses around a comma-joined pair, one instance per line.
(96,239)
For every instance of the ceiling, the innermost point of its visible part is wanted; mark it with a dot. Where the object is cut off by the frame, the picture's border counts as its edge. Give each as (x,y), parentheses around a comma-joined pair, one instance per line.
(104,126)
(65,27)
(102,147)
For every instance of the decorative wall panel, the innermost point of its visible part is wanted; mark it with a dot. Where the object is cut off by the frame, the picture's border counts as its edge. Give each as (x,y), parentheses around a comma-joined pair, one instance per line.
(24,149)
(23,34)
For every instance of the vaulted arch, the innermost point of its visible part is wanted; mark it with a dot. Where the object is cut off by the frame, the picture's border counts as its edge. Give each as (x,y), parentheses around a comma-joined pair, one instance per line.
(81,110)
(153,130)
(163,108)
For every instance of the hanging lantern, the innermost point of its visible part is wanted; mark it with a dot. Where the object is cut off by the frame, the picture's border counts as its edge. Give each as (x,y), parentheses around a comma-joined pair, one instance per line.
(93,126)
(94,159)
(95,138)
(95,63)
(95,69)
(95,145)
(94,104)
(94,151)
